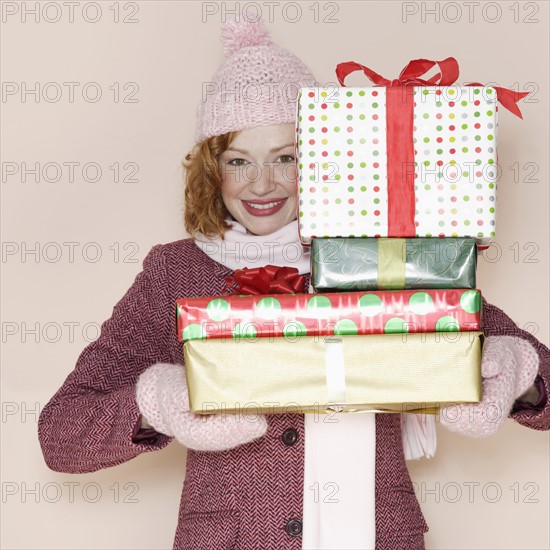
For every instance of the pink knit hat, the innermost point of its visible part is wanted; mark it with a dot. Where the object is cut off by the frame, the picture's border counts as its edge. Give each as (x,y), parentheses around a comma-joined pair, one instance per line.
(256,86)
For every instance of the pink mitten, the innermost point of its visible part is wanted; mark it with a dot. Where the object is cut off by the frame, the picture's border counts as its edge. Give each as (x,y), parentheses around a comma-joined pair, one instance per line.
(509,366)
(162,398)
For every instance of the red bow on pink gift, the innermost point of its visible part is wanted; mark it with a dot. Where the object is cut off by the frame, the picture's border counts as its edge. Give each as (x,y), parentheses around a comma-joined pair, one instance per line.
(415,74)
(271,279)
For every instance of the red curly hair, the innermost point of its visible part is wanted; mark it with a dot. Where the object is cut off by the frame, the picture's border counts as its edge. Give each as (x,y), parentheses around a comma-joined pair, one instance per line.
(204,210)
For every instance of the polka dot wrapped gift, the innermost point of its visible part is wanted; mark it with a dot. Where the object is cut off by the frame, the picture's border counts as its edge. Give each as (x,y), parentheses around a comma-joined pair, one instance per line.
(292,316)
(442,159)
(414,157)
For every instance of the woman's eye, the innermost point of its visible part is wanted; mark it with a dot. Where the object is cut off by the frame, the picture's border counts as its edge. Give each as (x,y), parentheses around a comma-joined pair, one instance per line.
(237,162)
(286,158)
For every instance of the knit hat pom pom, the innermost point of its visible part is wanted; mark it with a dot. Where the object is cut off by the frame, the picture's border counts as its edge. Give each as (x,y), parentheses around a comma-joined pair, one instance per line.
(243,34)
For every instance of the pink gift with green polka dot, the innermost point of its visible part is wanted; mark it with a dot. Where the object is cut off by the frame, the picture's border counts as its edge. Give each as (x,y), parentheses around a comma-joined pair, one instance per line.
(294,315)
(353,171)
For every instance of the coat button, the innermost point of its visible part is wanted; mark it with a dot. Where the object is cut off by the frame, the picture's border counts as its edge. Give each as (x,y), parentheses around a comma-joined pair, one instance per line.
(289,436)
(294,527)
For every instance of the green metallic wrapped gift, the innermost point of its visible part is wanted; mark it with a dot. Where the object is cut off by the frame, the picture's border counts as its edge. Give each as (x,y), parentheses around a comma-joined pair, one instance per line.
(392,263)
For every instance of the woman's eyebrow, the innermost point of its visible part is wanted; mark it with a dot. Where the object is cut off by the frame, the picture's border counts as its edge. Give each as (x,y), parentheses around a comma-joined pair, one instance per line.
(272,150)
(236,150)
(281,147)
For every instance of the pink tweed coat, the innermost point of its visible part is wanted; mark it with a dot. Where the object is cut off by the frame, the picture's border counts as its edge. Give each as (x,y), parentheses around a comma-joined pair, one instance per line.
(247,498)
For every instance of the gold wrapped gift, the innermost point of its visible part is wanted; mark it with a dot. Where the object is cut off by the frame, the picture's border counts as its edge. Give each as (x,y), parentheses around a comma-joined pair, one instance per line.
(377,372)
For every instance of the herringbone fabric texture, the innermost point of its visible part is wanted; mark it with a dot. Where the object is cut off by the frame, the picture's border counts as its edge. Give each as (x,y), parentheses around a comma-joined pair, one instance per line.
(241,498)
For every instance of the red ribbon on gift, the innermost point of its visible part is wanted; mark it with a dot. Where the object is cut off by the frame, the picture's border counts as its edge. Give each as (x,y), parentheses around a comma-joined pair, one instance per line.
(417,69)
(271,279)
(411,74)
(399,123)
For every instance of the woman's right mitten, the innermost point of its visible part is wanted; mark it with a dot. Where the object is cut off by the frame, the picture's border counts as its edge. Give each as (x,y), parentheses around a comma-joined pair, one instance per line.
(162,398)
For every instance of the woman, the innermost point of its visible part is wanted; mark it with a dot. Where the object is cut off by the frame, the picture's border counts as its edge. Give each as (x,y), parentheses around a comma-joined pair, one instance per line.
(244,485)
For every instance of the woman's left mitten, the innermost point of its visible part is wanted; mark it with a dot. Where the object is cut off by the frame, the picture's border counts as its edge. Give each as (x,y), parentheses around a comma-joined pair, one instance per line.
(509,366)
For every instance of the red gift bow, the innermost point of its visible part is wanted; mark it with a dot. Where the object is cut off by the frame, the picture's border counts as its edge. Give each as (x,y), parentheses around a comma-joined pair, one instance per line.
(417,68)
(271,279)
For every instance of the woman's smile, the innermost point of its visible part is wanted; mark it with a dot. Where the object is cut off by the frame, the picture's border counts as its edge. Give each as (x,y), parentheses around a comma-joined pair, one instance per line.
(265,207)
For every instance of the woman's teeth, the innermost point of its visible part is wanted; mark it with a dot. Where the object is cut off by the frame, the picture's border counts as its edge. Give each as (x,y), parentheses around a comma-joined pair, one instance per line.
(264,206)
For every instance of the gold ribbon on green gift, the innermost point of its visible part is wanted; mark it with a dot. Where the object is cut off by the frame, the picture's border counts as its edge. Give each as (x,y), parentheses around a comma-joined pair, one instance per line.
(392,261)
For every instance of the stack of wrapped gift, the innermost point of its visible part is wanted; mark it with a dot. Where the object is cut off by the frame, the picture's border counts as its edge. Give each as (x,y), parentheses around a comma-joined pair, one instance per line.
(397,188)
(351,351)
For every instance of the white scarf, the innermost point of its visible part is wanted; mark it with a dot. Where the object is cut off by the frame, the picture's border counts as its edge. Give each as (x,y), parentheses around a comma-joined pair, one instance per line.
(339,467)
(242,249)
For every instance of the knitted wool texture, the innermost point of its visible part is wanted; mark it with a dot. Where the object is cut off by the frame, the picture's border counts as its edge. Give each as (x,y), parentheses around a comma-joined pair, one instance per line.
(256,86)
(508,368)
(162,397)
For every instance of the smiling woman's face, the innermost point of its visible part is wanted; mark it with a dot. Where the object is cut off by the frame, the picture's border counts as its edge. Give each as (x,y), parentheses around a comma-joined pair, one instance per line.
(259,178)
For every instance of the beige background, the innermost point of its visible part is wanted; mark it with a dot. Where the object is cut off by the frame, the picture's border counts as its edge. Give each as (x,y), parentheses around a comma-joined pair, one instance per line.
(169,52)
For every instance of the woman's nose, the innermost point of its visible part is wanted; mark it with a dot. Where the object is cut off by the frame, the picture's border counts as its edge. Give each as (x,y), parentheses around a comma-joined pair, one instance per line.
(262,180)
